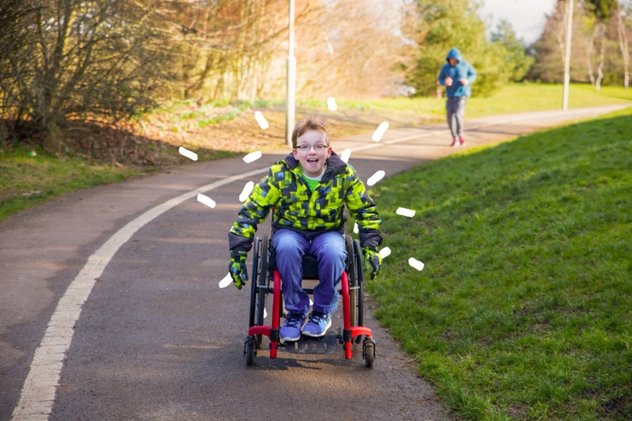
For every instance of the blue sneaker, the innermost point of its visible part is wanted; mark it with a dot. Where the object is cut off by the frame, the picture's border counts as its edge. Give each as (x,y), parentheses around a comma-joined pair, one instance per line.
(291,330)
(317,325)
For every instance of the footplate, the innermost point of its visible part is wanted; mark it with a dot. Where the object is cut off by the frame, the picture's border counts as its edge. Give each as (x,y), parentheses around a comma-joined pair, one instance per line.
(328,344)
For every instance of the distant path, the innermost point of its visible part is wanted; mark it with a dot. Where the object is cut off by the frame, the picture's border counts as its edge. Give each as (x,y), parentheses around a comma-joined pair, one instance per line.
(156,338)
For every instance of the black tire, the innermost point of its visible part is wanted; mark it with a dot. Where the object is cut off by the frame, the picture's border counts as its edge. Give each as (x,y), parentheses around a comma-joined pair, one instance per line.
(352,272)
(249,350)
(368,352)
(253,283)
(262,282)
(360,277)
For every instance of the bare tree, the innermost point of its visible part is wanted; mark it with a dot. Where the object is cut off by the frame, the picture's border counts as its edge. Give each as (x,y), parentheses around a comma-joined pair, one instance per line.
(86,59)
(623,46)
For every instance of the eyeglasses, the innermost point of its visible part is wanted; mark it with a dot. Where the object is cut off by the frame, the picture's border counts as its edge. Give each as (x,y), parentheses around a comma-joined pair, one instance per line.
(317,148)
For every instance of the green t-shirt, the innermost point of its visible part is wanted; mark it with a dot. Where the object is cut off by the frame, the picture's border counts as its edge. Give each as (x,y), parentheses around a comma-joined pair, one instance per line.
(312,182)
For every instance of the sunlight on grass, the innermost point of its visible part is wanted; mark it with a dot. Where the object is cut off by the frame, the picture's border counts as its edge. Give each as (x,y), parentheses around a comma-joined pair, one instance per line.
(523,309)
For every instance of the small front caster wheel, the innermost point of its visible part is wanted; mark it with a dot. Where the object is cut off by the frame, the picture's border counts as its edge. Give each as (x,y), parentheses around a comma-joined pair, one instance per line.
(250,350)
(368,352)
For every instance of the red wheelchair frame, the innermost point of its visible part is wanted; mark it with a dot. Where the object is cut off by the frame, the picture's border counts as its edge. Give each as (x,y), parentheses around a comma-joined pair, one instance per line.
(352,302)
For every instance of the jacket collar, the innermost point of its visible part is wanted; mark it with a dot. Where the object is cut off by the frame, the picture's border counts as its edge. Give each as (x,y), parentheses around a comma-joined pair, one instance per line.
(335,165)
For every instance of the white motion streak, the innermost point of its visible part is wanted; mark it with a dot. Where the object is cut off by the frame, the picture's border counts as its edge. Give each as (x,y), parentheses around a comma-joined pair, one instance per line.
(205,200)
(246,191)
(252,157)
(385,252)
(377,176)
(416,263)
(227,280)
(331,104)
(405,212)
(379,132)
(345,155)
(187,153)
(261,120)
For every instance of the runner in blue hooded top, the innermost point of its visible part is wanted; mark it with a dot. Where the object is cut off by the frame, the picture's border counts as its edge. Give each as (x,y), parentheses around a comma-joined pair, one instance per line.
(456,75)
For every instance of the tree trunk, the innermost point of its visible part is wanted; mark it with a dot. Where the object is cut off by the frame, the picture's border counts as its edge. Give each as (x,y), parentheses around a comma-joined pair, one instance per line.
(600,31)
(589,65)
(625,52)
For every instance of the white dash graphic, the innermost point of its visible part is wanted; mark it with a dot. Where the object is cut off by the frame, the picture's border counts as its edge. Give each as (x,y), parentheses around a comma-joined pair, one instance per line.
(355,228)
(246,191)
(377,176)
(261,120)
(416,263)
(345,155)
(331,104)
(205,200)
(379,132)
(252,157)
(226,281)
(187,153)
(330,48)
(405,212)
(385,252)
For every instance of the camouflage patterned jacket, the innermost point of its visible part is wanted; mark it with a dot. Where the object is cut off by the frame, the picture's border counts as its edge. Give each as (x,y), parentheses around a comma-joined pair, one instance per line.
(298,208)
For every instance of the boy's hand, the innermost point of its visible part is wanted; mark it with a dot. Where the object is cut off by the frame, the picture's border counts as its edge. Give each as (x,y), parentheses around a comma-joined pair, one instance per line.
(374,259)
(237,267)
(464,81)
(448,81)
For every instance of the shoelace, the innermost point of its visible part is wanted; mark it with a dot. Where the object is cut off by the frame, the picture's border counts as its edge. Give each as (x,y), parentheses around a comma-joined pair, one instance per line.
(317,318)
(293,321)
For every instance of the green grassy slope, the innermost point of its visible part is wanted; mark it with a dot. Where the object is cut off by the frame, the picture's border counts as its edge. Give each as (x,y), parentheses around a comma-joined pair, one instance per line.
(524,308)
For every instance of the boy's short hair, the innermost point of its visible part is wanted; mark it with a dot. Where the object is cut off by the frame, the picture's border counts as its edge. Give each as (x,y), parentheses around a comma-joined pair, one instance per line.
(310,123)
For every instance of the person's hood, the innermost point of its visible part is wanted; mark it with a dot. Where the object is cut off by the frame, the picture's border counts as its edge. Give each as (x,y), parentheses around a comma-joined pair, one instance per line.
(454,53)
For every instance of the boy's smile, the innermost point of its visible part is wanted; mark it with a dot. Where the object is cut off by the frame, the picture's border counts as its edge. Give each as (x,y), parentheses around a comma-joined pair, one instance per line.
(312,151)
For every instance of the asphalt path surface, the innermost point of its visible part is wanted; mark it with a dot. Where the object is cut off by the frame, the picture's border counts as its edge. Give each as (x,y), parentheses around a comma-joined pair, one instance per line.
(110,307)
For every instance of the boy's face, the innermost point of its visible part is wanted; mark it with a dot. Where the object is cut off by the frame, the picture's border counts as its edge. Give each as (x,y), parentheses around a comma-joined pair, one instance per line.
(453,61)
(312,152)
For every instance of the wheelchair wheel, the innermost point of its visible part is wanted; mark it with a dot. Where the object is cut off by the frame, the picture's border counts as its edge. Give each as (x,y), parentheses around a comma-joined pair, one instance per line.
(259,279)
(360,278)
(352,272)
(262,281)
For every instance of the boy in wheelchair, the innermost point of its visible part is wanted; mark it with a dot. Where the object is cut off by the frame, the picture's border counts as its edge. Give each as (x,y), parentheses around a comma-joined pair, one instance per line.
(307,191)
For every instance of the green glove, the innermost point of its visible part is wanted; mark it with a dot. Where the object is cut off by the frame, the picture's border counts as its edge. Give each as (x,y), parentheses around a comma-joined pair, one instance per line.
(237,267)
(374,259)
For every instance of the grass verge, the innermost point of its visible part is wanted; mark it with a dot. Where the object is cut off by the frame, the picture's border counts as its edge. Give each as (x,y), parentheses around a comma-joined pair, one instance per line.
(524,308)
(28,177)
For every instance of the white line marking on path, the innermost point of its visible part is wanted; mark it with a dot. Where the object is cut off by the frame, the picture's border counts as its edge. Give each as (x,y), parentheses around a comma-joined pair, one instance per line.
(38,392)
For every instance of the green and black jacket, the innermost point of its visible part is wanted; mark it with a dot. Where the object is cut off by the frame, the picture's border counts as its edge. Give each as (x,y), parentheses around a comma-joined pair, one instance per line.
(297,208)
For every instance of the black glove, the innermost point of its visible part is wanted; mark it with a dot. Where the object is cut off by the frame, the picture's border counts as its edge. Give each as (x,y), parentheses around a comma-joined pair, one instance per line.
(374,259)
(237,267)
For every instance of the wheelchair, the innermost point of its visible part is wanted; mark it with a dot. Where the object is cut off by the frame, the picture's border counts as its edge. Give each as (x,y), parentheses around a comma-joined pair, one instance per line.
(266,280)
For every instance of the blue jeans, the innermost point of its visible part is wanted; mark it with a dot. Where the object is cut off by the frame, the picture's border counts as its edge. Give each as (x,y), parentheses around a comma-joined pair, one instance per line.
(331,254)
